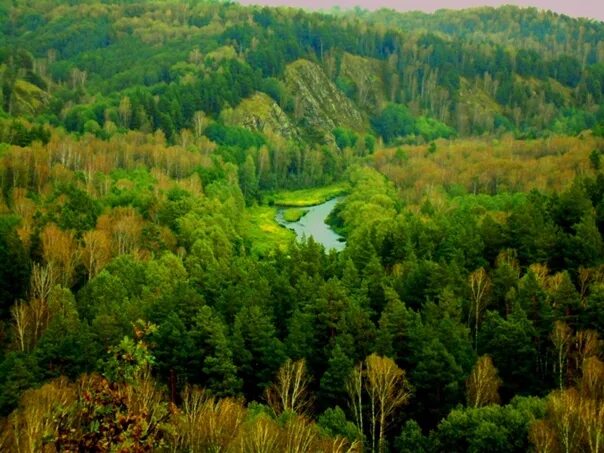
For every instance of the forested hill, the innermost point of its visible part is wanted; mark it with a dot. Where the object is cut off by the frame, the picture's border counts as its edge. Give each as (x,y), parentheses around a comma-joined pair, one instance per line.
(545,32)
(96,66)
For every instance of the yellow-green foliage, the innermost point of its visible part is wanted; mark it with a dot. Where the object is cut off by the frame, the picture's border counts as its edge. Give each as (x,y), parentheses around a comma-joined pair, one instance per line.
(223,53)
(261,114)
(309,197)
(29,99)
(264,232)
(294,214)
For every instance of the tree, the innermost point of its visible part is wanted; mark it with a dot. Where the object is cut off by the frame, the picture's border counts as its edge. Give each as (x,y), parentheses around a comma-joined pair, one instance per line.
(354,388)
(18,372)
(574,420)
(257,352)
(561,337)
(65,348)
(480,285)
(333,381)
(15,269)
(131,359)
(248,179)
(39,417)
(387,389)
(437,377)
(334,422)
(515,333)
(96,251)
(290,392)
(215,353)
(542,437)
(394,121)
(60,251)
(483,384)
(174,353)
(595,159)
(411,439)
(562,408)
(498,429)
(125,112)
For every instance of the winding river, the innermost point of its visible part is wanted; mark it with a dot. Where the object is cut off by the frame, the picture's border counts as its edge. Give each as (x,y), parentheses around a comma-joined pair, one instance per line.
(313,224)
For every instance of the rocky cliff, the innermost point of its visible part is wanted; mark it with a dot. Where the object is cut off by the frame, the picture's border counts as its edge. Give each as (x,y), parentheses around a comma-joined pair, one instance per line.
(319,106)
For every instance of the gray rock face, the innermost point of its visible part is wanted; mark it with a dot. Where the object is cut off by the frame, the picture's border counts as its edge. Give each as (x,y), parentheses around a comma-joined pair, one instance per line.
(319,105)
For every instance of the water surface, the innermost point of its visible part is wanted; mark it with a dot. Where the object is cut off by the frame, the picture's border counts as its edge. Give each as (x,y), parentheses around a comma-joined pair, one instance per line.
(313,224)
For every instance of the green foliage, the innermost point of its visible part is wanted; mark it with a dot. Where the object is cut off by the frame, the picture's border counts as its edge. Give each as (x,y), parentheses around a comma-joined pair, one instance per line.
(393,122)
(14,272)
(334,423)
(77,210)
(18,372)
(333,382)
(309,197)
(411,439)
(210,336)
(168,173)
(497,336)
(345,138)
(257,351)
(431,129)
(233,136)
(66,347)
(396,121)
(293,214)
(130,359)
(492,428)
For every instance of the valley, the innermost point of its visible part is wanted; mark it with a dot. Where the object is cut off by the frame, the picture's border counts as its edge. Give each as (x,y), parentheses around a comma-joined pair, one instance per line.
(248,228)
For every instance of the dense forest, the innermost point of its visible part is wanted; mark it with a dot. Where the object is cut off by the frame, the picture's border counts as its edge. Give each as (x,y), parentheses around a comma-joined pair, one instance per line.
(149,300)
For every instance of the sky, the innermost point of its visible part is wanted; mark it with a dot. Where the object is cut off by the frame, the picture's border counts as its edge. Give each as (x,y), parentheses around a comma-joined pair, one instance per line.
(593,9)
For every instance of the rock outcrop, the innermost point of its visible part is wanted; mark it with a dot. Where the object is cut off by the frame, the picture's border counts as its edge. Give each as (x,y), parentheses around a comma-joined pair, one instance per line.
(262,114)
(319,106)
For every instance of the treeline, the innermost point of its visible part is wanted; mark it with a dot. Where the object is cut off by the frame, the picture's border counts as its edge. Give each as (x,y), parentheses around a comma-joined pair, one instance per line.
(546,32)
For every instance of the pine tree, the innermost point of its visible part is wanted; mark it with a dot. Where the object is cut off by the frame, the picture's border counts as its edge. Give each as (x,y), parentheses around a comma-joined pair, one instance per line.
(333,382)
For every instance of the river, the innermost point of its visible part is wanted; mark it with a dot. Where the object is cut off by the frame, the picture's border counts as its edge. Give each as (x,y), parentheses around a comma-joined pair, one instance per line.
(313,224)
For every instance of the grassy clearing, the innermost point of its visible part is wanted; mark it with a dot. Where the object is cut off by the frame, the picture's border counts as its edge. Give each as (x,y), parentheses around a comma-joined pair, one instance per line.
(264,232)
(307,197)
(294,214)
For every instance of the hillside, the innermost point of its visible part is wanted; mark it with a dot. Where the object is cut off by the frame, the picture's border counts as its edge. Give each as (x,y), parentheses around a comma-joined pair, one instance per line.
(207,57)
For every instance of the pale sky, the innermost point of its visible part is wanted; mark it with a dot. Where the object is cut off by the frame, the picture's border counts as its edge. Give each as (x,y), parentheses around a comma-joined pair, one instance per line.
(593,9)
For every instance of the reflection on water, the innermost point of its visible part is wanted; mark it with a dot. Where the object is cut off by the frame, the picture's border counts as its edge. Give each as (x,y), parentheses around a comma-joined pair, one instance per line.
(313,224)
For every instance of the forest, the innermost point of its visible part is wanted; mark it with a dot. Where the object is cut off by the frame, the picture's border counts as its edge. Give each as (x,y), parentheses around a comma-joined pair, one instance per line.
(149,300)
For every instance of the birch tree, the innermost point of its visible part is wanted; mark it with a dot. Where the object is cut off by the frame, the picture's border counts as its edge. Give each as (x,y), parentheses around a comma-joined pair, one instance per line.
(482,387)
(480,286)
(290,392)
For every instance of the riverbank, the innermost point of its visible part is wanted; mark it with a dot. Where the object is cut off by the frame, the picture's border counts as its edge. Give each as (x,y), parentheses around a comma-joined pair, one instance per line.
(304,198)
(265,232)
(294,214)
(313,224)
